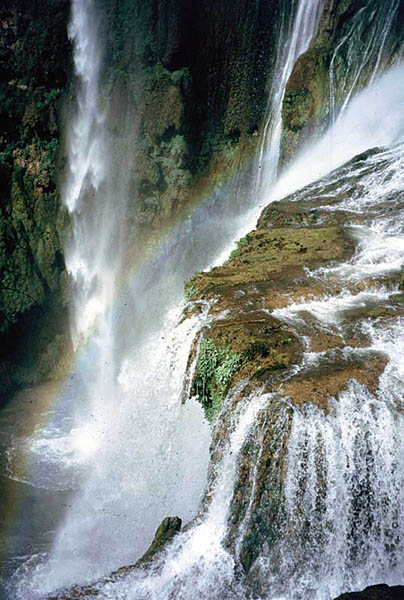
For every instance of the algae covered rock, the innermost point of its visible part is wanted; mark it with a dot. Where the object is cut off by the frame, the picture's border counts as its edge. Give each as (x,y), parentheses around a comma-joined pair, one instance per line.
(166,531)
(273,268)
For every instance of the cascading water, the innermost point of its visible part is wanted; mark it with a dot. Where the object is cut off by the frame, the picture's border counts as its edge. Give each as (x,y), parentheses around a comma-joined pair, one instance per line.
(344,519)
(341,522)
(143,441)
(370,26)
(294,40)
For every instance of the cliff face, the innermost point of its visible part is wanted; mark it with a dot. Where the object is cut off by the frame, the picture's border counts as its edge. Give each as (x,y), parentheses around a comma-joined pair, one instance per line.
(356,42)
(199,77)
(34,53)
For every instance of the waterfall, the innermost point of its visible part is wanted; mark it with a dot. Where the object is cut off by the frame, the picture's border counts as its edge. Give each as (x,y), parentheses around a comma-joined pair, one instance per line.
(120,433)
(197,565)
(142,453)
(96,200)
(92,255)
(344,520)
(294,39)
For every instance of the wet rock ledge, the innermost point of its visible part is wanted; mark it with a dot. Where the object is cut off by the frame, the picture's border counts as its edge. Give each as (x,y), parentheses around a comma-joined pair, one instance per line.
(274,266)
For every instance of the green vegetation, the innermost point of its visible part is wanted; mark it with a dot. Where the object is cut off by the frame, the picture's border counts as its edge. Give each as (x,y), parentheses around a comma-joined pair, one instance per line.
(216,366)
(34,58)
(190,291)
(158,76)
(239,249)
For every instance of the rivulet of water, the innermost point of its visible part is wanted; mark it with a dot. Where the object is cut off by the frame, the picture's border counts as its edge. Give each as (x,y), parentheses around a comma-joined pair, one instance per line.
(294,39)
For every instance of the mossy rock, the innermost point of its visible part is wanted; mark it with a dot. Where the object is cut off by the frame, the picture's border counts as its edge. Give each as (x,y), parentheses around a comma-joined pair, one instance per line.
(166,531)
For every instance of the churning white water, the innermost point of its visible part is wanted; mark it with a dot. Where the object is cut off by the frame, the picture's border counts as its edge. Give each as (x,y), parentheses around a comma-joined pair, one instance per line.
(197,564)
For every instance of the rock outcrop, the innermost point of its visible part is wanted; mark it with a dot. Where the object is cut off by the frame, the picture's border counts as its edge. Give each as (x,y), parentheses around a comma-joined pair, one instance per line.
(376,592)
(167,530)
(273,267)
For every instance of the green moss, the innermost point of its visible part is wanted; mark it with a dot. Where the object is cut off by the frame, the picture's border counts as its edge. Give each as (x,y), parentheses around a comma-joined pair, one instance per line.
(157,76)
(215,369)
(169,527)
(190,290)
(297,109)
(239,249)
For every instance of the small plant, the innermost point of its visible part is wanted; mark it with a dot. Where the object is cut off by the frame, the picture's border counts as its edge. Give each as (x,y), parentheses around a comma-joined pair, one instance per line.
(226,370)
(215,368)
(190,291)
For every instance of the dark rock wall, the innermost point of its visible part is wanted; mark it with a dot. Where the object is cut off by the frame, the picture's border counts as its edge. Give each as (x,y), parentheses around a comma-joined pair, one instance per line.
(204,70)
(34,54)
(376,592)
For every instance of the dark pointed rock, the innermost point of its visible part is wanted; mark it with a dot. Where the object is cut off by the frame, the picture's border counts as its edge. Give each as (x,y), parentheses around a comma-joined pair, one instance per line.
(376,592)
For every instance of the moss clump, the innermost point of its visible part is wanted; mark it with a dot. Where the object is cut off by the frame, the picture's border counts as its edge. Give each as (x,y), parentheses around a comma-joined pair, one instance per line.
(239,249)
(166,531)
(190,290)
(216,366)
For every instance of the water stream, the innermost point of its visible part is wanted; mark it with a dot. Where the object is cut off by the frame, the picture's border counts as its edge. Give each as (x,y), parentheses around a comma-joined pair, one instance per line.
(294,39)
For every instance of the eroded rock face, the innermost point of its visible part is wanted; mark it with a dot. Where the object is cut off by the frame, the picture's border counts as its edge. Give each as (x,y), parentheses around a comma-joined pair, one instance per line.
(34,55)
(199,76)
(271,269)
